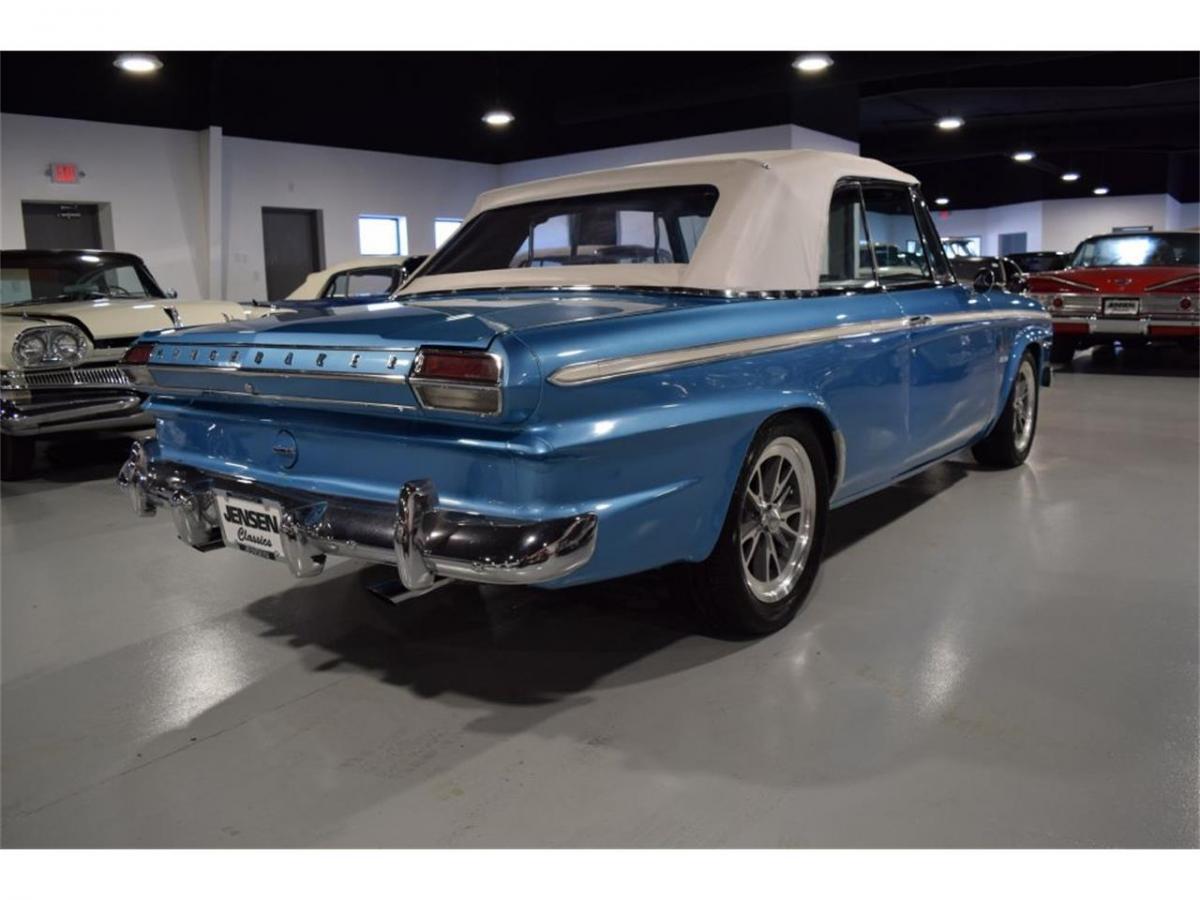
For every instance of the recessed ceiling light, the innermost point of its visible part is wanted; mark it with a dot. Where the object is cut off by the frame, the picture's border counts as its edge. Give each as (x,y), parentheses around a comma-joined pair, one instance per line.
(1099,191)
(138,63)
(1023,156)
(812,62)
(498,118)
(942,201)
(1070,176)
(949,123)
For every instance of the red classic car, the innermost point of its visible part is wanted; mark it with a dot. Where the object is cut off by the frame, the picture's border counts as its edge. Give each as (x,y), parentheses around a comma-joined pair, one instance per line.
(1127,287)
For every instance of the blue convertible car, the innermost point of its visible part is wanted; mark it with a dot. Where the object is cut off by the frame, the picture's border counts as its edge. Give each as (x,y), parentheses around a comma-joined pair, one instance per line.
(601,374)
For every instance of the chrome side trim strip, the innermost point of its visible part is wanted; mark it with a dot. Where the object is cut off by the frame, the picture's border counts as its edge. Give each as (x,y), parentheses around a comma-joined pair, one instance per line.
(621,366)
(576,374)
(169,391)
(1171,282)
(248,371)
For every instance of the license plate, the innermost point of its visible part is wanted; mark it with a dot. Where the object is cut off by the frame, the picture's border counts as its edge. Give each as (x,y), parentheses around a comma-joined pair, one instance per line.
(251,525)
(1120,307)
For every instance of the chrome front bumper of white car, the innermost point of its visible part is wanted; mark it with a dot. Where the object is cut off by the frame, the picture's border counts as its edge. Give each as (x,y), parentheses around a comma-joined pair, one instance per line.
(426,543)
(89,398)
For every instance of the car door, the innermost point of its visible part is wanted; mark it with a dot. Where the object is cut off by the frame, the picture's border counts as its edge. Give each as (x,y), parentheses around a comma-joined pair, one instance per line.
(865,383)
(952,370)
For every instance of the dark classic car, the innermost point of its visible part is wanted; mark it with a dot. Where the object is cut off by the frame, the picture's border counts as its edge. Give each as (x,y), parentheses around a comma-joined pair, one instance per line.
(1130,288)
(66,318)
(705,400)
(1041,260)
(1003,272)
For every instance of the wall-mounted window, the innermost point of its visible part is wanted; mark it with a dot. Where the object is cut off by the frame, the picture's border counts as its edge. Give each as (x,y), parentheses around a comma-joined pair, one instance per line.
(382,236)
(442,229)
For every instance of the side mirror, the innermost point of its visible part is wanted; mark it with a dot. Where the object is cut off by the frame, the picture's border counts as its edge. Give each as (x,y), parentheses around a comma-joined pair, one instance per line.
(172,294)
(985,280)
(1018,284)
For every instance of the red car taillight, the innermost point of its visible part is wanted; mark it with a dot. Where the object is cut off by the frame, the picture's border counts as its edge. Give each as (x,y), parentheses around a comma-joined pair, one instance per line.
(134,363)
(457,380)
(137,355)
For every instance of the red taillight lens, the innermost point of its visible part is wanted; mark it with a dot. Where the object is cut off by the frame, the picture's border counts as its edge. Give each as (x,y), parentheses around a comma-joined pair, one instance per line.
(1185,303)
(137,355)
(454,365)
(1058,302)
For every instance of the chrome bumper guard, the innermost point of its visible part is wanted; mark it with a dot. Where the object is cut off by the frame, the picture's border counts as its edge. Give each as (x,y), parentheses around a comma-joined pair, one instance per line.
(426,543)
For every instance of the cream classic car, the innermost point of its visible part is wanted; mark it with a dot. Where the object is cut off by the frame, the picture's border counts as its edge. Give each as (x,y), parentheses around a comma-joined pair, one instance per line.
(66,317)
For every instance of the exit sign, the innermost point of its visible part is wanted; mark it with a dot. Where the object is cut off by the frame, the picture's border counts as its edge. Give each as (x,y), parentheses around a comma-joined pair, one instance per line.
(64,173)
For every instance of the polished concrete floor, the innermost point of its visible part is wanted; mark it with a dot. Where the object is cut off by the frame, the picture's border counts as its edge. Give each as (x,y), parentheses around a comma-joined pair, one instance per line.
(988,658)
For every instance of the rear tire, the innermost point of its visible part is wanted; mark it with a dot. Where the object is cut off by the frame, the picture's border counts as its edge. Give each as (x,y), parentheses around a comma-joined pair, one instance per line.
(16,457)
(1011,438)
(769,551)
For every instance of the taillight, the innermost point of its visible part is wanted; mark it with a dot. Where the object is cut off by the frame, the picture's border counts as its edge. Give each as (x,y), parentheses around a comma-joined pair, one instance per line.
(134,363)
(458,380)
(455,365)
(1057,302)
(1185,303)
(137,355)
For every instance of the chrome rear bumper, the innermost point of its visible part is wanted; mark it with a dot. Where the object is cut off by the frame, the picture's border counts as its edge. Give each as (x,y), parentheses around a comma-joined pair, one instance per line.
(426,543)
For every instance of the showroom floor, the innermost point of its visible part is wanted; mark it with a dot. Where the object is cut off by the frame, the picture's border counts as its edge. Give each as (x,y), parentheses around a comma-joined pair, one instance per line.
(989,658)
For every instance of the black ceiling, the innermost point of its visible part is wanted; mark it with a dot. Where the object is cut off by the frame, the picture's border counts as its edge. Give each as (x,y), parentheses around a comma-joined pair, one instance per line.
(1129,121)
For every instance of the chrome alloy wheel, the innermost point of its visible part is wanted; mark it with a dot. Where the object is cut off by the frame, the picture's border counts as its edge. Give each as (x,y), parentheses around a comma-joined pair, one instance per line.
(1024,406)
(777,519)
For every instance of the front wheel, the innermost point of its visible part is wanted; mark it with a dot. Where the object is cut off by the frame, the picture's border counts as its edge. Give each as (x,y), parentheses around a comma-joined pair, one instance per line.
(1008,443)
(767,556)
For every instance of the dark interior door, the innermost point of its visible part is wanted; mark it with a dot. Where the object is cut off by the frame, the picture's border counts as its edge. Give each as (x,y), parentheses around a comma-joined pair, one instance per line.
(61,226)
(292,246)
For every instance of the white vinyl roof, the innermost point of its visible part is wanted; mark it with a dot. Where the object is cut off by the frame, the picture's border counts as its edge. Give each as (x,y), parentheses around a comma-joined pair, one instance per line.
(766,232)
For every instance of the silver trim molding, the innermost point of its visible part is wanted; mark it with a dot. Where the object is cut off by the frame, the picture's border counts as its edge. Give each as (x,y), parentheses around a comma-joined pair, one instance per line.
(575,374)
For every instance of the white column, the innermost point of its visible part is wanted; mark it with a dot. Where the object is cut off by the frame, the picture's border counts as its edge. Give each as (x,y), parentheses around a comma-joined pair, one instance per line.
(215,214)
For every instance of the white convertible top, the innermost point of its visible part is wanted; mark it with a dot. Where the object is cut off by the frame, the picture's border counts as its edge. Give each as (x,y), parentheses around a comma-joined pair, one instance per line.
(766,232)
(311,287)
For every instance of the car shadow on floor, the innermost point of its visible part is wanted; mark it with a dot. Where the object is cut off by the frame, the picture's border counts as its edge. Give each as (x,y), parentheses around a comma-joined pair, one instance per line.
(527,646)
(73,459)
(1158,360)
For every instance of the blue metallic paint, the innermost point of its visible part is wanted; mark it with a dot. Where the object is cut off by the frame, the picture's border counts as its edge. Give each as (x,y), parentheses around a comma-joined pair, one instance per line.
(655,456)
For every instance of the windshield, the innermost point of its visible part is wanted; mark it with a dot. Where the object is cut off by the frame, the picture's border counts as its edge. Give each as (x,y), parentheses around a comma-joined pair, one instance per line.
(653,226)
(1139,250)
(30,279)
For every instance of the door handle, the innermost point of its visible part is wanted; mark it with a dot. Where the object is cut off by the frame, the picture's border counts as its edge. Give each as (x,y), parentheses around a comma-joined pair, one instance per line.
(919,321)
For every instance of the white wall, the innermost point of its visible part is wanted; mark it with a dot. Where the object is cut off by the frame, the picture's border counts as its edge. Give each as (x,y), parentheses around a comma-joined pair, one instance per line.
(342,184)
(190,203)
(1067,222)
(1062,224)
(773,137)
(152,177)
(1182,215)
(989,224)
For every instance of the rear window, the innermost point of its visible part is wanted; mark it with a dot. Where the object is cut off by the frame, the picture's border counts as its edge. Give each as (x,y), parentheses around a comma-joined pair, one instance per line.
(1139,250)
(652,226)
